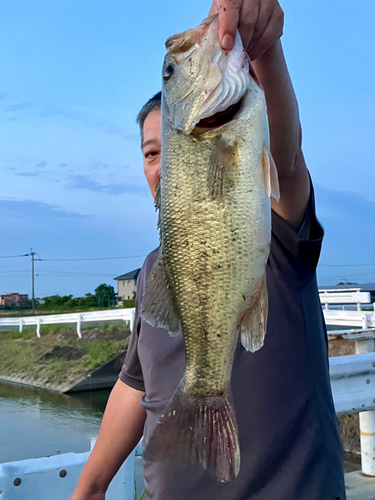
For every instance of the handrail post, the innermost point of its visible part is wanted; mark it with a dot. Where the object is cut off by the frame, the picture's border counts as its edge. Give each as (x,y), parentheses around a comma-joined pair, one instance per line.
(131,322)
(367,420)
(79,326)
(365,323)
(21,325)
(38,328)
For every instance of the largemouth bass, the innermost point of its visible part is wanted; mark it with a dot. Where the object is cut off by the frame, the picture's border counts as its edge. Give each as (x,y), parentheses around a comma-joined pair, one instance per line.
(217,176)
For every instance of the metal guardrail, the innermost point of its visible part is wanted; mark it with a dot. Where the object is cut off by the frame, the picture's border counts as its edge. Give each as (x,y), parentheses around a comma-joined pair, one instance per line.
(75,318)
(54,478)
(358,319)
(353,386)
(353,383)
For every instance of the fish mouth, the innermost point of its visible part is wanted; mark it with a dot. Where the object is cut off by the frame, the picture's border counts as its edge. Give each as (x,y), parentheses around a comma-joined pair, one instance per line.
(221,118)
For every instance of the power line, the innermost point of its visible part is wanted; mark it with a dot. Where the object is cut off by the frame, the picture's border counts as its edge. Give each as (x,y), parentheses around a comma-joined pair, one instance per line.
(14,256)
(94,258)
(68,273)
(347,265)
(43,275)
(346,276)
(11,272)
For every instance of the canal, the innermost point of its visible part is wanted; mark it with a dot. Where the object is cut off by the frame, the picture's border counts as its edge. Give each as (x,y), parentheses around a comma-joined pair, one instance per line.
(37,423)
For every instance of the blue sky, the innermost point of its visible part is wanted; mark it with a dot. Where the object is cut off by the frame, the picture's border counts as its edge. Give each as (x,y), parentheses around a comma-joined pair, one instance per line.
(74,75)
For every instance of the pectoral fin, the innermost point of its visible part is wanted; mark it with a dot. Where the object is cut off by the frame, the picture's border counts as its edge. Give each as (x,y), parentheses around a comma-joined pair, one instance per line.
(224,157)
(271,178)
(159,308)
(254,321)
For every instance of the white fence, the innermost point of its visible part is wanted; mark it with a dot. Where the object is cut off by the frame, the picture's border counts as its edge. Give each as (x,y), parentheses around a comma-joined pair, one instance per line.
(75,318)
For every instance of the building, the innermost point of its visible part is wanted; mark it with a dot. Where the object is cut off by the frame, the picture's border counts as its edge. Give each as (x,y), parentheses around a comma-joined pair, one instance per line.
(13,299)
(127,285)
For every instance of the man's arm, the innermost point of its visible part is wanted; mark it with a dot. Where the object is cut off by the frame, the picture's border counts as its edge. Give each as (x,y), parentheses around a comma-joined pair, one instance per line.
(286,135)
(120,431)
(260,23)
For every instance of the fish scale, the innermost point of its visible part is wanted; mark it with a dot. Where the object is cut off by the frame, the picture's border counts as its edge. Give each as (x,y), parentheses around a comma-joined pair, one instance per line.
(189,215)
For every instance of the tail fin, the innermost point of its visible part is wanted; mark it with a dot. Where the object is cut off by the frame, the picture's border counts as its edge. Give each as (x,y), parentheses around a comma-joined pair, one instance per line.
(197,428)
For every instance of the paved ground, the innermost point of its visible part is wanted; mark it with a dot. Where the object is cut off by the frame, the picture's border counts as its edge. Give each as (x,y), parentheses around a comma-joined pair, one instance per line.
(359,487)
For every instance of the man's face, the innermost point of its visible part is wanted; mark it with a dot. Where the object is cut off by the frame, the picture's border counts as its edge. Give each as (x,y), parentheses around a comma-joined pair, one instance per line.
(151,148)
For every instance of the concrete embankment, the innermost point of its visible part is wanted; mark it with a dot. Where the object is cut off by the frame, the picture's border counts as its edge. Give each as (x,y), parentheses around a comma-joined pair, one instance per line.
(62,362)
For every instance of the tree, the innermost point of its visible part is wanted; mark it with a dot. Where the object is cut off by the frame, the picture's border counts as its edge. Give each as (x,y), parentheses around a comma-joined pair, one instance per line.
(105,295)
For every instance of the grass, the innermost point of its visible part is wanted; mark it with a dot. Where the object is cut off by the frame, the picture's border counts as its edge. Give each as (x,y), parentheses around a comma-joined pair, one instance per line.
(59,356)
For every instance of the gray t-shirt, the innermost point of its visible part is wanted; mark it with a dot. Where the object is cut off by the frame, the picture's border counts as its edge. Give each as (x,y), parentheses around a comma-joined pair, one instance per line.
(289,440)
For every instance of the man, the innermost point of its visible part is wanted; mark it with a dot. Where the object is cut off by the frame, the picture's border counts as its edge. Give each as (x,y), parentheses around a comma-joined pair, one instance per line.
(290,447)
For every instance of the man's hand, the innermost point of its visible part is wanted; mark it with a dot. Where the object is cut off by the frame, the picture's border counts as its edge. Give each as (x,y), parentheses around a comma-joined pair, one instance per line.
(260,23)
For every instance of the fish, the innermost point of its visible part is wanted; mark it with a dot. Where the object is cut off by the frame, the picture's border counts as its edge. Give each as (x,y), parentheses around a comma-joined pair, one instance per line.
(208,281)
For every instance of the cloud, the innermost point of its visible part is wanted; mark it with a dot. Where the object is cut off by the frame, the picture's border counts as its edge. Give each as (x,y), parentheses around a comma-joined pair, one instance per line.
(62,165)
(28,174)
(21,161)
(90,118)
(132,137)
(87,182)
(17,107)
(25,211)
(113,129)
(41,164)
(4,95)
(25,167)
(98,167)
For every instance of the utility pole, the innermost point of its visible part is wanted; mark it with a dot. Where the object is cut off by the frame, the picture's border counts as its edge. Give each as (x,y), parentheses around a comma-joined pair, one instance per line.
(32,281)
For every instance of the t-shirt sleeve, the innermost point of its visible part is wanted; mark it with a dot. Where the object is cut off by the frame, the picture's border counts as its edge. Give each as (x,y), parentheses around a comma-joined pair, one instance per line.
(131,371)
(295,254)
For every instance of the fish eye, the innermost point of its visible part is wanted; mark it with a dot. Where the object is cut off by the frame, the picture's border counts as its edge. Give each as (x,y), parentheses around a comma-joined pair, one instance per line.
(168,72)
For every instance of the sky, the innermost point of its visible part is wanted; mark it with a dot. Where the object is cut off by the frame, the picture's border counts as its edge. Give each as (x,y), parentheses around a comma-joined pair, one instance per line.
(74,74)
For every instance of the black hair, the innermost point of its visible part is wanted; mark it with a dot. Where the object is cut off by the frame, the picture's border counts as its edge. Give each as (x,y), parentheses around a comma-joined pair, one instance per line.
(151,104)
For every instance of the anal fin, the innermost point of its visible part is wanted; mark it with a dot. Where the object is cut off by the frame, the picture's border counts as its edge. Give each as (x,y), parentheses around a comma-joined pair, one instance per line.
(254,321)
(223,157)
(159,308)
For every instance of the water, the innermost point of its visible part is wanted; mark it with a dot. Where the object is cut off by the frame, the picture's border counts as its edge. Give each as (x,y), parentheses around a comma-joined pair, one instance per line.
(37,423)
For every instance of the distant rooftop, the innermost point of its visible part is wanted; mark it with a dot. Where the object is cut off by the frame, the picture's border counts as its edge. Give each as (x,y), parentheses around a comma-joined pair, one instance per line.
(133,275)
(368,287)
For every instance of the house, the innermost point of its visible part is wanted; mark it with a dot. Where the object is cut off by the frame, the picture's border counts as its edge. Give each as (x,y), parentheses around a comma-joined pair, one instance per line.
(12,299)
(127,285)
